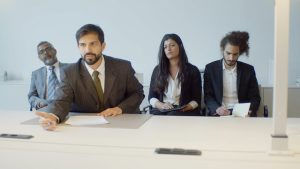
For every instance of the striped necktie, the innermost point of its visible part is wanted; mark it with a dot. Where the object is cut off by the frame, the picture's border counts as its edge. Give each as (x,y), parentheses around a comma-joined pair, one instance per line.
(98,86)
(52,83)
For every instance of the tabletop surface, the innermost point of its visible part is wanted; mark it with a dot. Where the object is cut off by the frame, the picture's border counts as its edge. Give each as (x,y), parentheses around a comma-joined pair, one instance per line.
(225,143)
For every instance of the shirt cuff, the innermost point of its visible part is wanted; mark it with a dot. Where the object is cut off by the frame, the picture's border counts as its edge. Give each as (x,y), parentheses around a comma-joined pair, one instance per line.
(152,101)
(194,104)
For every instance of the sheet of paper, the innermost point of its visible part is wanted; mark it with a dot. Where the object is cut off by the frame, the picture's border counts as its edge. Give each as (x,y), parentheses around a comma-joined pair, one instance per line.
(241,109)
(86,120)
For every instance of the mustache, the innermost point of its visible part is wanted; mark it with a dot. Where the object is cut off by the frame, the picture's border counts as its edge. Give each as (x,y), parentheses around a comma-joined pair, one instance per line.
(90,54)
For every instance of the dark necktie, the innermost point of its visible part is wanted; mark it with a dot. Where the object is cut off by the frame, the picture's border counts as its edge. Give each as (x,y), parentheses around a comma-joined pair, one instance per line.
(52,83)
(98,86)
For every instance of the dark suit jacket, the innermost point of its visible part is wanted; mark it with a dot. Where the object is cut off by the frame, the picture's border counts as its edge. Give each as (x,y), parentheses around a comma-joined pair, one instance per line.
(37,91)
(247,86)
(77,92)
(191,88)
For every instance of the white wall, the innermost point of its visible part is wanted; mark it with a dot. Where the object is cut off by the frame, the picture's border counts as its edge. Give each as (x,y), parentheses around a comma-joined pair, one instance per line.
(134,28)
(294,58)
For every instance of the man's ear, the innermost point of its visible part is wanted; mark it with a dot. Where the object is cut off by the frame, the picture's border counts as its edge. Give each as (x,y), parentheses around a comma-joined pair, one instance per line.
(103,46)
(55,51)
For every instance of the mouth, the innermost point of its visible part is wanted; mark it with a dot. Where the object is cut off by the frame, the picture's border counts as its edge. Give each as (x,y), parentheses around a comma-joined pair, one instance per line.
(48,57)
(231,62)
(90,54)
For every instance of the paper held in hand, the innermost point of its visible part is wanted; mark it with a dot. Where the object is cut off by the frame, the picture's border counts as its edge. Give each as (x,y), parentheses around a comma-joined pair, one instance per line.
(241,109)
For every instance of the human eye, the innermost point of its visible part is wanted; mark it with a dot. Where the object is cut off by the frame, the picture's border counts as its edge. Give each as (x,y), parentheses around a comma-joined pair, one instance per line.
(41,51)
(81,45)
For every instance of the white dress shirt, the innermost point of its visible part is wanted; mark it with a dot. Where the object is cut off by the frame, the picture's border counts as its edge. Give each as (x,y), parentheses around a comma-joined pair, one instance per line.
(230,97)
(172,93)
(101,70)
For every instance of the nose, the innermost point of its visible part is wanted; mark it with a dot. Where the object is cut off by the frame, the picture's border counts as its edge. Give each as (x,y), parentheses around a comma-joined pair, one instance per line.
(230,57)
(88,49)
(44,53)
(168,48)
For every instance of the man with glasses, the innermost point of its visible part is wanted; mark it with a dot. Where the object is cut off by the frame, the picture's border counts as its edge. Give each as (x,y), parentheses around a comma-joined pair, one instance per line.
(45,79)
(97,83)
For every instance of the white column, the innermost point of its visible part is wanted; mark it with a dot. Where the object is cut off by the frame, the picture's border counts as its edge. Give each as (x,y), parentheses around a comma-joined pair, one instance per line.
(279,136)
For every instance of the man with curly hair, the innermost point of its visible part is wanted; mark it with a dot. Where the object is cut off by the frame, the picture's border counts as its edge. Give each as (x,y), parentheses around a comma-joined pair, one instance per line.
(228,81)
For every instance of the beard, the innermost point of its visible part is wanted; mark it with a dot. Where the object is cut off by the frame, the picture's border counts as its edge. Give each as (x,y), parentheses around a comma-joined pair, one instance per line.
(91,60)
(50,61)
(230,62)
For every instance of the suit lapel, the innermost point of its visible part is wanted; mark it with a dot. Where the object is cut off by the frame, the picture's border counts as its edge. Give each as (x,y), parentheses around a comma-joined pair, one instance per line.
(109,78)
(42,78)
(238,79)
(88,81)
(220,75)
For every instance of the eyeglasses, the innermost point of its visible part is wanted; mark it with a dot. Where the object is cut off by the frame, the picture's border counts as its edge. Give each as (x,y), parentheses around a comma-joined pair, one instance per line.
(49,48)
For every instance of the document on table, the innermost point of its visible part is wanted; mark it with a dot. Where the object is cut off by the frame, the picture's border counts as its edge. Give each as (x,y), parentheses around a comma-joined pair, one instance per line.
(86,120)
(241,109)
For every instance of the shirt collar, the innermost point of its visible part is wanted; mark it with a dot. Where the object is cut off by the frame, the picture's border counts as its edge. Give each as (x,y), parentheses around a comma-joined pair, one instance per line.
(231,70)
(100,69)
(56,65)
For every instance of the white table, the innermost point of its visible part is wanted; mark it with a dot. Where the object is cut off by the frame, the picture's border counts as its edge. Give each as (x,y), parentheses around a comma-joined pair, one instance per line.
(225,143)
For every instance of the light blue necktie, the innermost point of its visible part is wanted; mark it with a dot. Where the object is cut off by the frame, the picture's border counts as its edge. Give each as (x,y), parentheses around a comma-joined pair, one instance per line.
(52,83)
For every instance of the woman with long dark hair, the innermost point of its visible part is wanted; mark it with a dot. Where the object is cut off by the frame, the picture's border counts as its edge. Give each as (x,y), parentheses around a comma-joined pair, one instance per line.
(175,87)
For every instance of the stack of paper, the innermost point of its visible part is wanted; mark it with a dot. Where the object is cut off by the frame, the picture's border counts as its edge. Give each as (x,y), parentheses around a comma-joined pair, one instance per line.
(86,120)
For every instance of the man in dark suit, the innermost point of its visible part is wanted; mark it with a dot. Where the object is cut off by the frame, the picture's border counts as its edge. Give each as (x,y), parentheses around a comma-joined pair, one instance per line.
(38,96)
(95,84)
(228,81)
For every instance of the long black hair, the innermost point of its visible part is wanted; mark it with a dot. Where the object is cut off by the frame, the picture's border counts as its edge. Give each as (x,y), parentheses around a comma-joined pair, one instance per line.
(164,64)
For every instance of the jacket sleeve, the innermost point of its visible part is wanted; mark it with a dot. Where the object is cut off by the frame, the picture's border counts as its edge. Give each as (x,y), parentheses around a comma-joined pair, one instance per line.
(152,92)
(134,93)
(33,96)
(253,93)
(209,93)
(61,104)
(196,86)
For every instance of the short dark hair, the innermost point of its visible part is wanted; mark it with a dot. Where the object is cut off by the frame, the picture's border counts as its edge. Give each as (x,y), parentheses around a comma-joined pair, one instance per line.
(90,28)
(42,43)
(237,38)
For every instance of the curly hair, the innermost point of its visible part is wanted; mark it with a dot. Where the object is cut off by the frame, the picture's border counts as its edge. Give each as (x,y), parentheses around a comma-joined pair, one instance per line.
(237,38)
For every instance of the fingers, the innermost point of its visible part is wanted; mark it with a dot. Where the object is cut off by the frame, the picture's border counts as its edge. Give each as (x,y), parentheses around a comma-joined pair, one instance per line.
(111,112)
(167,106)
(47,124)
(42,114)
(187,108)
(46,121)
(226,112)
(222,111)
